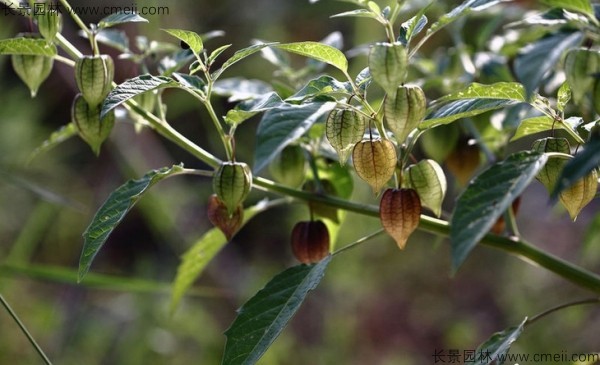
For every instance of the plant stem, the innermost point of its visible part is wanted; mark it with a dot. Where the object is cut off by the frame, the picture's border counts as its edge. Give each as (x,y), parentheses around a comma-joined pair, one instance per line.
(76,18)
(68,47)
(357,242)
(14,316)
(559,307)
(519,248)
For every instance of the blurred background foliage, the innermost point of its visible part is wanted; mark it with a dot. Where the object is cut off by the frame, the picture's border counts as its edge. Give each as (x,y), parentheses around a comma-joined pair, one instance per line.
(376,305)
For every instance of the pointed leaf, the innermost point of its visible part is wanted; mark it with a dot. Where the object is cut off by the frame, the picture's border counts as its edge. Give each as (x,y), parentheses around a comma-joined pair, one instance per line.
(112,212)
(195,259)
(318,51)
(27,46)
(487,197)
(249,108)
(262,318)
(240,55)
(321,86)
(281,126)
(539,124)
(461,10)
(464,108)
(120,18)
(580,166)
(496,347)
(428,179)
(60,135)
(358,13)
(412,27)
(132,87)
(191,82)
(537,59)
(192,39)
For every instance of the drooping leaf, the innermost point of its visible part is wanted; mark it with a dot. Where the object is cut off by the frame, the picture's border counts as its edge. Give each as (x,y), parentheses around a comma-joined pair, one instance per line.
(132,87)
(464,108)
(539,124)
(321,86)
(412,27)
(318,51)
(27,46)
(428,179)
(537,59)
(237,89)
(121,18)
(249,108)
(487,197)
(262,318)
(495,349)
(581,6)
(195,259)
(500,90)
(281,126)
(57,137)
(112,212)
(240,55)
(192,39)
(191,82)
(580,166)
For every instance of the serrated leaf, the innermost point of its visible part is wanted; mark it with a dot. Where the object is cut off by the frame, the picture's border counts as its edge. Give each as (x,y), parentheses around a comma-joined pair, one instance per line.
(132,87)
(552,17)
(249,108)
(121,18)
(57,137)
(412,27)
(428,179)
(262,318)
(580,166)
(112,212)
(537,59)
(240,55)
(214,54)
(497,346)
(464,108)
(321,86)
(192,39)
(281,126)
(487,197)
(195,259)
(172,63)
(27,46)
(581,6)
(318,51)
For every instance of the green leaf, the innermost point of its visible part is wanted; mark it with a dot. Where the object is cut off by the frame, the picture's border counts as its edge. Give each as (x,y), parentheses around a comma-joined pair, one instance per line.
(112,212)
(281,126)
(113,38)
(500,90)
(464,108)
(318,51)
(262,318)
(487,197)
(192,39)
(249,108)
(581,6)
(132,87)
(580,166)
(191,82)
(537,59)
(195,259)
(240,55)
(428,179)
(358,13)
(121,18)
(27,46)
(214,54)
(60,135)
(237,88)
(461,10)
(321,86)
(412,27)
(563,97)
(495,349)
(535,125)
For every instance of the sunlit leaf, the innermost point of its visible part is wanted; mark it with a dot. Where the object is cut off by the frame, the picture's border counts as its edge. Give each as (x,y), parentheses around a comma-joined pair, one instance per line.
(112,212)
(580,166)
(240,55)
(412,27)
(320,86)
(318,51)
(192,39)
(581,6)
(27,46)
(262,318)
(487,197)
(121,18)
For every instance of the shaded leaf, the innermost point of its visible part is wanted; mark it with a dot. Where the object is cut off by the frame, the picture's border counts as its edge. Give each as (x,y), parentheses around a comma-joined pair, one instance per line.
(237,88)
(537,59)
(412,27)
(580,166)
(281,126)
(581,6)
(27,46)
(121,18)
(195,259)
(358,13)
(192,39)
(495,349)
(57,137)
(318,51)
(262,318)
(112,212)
(321,86)
(132,87)
(464,108)
(191,82)
(539,124)
(238,56)
(249,108)
(487,197)
(500,90)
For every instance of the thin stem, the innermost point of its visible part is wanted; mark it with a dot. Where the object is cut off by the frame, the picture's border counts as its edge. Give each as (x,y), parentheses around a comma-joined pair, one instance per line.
(512,221)
(559,307)
(65,60)
(519,248)
(358,242)
(68,47)
(76,17)
(14,316)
